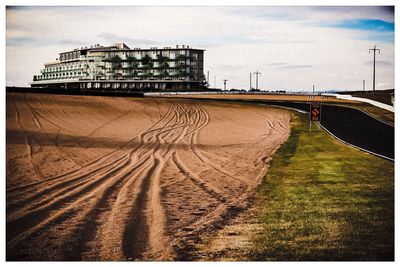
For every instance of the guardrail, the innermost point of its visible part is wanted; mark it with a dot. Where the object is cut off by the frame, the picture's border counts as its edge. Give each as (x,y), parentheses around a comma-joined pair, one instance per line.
(228,93)
(365,100)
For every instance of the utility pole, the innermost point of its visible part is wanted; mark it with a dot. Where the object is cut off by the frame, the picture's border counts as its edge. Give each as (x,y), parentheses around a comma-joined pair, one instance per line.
(257,73)
(363,85)
(313,88)
(373,77)
(225,84)
(250,81)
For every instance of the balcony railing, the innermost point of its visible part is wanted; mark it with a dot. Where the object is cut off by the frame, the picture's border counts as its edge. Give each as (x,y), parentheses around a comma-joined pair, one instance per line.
(181,57)
(128,66)
(113,59)
(116,65)
(131,59)
(147,66)
(162,58)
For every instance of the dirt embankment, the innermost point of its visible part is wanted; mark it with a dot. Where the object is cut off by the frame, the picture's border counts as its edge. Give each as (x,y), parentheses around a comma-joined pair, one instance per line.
(99,178)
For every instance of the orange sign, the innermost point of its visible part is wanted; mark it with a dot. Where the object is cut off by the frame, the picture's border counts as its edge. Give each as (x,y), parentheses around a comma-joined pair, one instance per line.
(315,111)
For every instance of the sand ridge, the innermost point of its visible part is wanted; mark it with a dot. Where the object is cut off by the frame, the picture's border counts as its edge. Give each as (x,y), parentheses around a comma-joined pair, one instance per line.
(101,178)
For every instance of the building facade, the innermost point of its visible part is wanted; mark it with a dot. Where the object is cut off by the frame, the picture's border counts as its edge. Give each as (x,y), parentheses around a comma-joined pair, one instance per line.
(119,68)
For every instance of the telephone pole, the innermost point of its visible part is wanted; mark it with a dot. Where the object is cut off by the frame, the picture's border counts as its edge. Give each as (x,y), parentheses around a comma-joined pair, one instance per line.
(225,84)
(373,77)
(313,88)
(363,85)
(257,73)
(250,81)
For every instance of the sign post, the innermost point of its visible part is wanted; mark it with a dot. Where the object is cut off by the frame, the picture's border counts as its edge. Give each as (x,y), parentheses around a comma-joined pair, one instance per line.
(315,112)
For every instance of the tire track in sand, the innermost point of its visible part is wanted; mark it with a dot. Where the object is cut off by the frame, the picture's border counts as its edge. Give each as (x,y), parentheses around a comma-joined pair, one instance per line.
(116,209)
(138,208)
(39,211)
(88,169)
(156,222)
(26,141)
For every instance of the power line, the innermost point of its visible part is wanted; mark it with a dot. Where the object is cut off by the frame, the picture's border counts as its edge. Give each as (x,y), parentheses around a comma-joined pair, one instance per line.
(250,81)
(257,73)
(373,75)
(225,84)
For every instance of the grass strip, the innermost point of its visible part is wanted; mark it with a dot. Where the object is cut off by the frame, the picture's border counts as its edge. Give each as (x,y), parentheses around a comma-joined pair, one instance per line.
(323,200)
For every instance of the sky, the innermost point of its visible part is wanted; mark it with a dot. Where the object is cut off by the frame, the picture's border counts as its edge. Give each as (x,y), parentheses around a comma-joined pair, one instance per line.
(294,48)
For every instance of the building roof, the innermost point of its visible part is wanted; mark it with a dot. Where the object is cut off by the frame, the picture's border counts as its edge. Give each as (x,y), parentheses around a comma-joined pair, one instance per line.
(123,47)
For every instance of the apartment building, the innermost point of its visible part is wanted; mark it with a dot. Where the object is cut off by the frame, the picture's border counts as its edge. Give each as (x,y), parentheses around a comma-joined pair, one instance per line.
(120,68)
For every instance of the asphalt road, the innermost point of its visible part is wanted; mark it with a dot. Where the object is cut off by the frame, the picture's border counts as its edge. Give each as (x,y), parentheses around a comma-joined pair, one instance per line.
(352,126)
(359,129)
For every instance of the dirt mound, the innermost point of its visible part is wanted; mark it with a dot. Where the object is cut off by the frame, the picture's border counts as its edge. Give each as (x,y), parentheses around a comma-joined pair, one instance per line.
(100,178)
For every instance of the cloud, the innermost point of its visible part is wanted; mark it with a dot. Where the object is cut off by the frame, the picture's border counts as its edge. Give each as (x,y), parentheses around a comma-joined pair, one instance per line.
(21,41)
(385,63)
(232,67)
(275,64)
(317,13)
(114,38)
(296,66)
(282,65)
(278,41)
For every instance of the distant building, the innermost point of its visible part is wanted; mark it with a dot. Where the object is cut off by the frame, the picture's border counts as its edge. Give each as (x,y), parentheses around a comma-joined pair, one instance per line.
(120,68)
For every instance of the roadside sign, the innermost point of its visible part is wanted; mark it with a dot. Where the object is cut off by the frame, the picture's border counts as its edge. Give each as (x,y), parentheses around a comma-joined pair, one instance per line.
(315,111)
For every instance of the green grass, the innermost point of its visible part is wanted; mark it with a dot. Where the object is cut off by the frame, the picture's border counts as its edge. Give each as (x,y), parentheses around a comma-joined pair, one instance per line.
(322,200)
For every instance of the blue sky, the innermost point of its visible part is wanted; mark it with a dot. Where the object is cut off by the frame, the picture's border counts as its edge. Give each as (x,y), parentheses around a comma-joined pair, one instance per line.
(367,25)
(374,29)
(293,47)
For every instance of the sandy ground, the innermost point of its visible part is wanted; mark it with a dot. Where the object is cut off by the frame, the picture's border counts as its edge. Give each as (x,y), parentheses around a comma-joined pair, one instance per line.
(102,178)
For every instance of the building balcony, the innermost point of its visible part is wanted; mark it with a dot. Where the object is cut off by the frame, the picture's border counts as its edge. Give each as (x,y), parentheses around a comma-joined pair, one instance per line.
(164,66)
(131,59)
(145,66)
(180,66)
(129,75)
(113,59)
(181,57)
(162,58)
(128,66)
(146,59)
